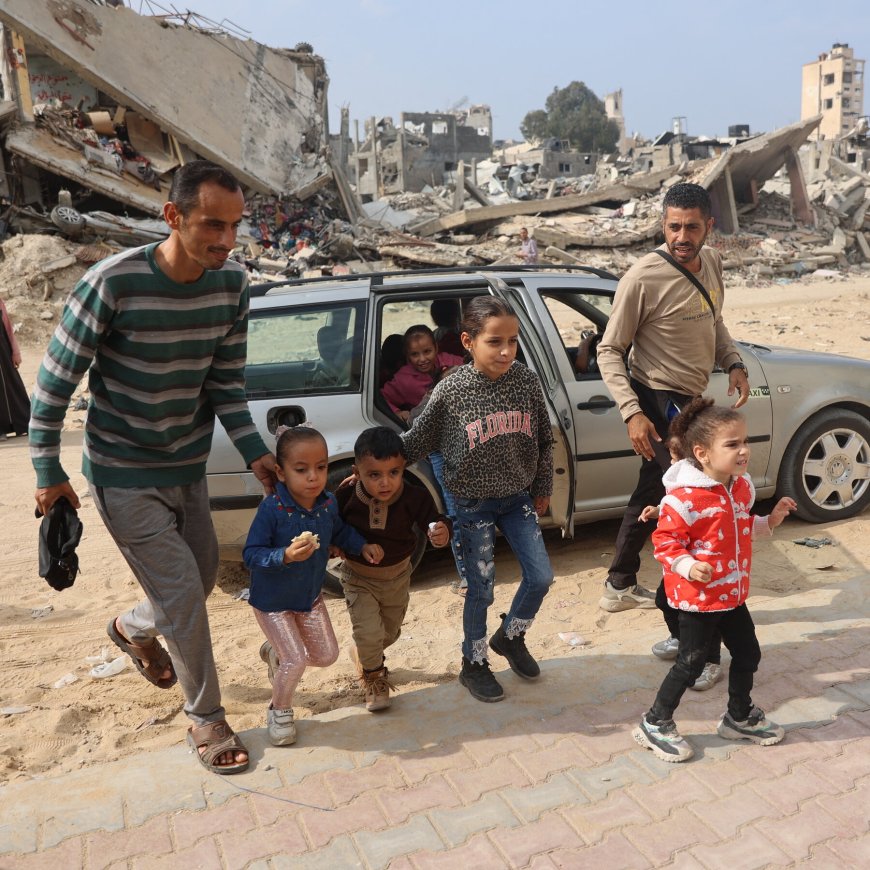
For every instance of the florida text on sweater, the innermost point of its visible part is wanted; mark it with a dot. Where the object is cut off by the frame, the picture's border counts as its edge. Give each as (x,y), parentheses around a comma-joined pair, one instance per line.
(164,359)
(500,423)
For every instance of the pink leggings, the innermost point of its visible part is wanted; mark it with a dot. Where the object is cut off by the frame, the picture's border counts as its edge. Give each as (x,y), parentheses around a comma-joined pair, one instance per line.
(299,640)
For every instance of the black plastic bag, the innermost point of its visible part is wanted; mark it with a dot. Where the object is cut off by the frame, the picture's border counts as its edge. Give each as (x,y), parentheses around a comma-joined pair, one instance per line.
(59,535)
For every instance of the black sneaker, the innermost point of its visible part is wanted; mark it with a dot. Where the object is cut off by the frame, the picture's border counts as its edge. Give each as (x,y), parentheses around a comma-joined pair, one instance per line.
(514,650)
(478,679)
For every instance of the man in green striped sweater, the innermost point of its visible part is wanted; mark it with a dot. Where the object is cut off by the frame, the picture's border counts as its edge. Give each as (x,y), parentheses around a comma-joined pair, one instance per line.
(163,329)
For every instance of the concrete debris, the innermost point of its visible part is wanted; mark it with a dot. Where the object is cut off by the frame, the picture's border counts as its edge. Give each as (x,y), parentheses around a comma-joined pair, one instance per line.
(89,114)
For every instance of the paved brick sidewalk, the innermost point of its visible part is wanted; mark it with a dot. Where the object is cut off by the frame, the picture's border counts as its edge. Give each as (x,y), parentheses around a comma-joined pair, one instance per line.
(548,778)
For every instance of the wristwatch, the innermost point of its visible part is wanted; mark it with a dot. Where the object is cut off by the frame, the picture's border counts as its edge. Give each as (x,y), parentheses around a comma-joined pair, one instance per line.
(736,365)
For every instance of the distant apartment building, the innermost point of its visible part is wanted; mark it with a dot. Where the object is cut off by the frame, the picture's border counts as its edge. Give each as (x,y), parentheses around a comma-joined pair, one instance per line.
(833,86)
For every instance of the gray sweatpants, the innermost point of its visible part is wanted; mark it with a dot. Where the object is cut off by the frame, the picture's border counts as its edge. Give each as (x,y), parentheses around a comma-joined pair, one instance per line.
(167,537)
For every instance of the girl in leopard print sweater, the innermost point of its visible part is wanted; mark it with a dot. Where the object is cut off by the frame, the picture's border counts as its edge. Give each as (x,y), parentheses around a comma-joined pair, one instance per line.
(490,421)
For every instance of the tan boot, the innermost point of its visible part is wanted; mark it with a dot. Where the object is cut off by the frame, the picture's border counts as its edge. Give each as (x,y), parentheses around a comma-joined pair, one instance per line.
(377,689)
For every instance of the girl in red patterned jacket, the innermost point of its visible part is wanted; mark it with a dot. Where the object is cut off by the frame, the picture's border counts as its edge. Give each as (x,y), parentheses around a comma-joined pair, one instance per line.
(704,542)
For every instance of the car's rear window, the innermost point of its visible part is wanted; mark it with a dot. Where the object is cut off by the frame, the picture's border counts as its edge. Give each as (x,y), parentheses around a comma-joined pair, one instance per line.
(305,350)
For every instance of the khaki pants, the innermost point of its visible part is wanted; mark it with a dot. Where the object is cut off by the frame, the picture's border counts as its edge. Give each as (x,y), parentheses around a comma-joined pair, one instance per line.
(377,600)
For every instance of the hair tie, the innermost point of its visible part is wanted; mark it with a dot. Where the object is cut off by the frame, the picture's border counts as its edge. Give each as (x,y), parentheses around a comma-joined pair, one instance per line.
(280,430)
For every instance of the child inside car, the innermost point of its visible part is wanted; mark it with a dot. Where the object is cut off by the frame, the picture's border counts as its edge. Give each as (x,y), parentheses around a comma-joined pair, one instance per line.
(423,369)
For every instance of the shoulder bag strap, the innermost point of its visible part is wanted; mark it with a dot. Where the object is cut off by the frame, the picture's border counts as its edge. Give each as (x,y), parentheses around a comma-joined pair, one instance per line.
(701,289)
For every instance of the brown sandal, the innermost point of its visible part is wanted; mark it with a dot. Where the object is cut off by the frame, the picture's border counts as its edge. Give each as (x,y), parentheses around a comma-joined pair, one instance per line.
(157,657)
(217,738)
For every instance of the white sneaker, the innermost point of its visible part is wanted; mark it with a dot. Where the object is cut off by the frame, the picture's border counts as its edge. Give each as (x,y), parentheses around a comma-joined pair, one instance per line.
(614,600)
(282,728)
(709,677)
(757,728)
(665,741)
(666,649)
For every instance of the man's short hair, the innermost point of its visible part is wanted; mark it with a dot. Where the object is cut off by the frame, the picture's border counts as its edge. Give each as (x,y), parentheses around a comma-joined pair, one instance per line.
(687,195)
(379,442)
(184,191)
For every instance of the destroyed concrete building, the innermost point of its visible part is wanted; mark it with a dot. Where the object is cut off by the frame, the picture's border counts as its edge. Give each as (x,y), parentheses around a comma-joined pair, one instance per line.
(425,149)
(673,147)
(102,100)
(557,159)
(86,108)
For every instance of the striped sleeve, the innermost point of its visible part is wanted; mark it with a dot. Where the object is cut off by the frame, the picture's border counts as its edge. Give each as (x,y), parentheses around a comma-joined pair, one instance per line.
(86,317)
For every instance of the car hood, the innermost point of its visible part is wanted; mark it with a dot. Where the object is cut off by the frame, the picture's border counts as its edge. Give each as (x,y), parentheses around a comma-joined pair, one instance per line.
(771,354)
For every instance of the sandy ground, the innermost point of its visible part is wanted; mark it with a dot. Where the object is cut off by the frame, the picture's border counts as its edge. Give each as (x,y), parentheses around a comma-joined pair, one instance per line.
(52,724)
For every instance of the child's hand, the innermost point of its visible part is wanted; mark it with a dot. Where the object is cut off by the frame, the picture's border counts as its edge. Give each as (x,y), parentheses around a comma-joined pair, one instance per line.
(299,551)
(403,415)
(781,510)
(335,552)
(438,533)
(701,572)
(373,553)
(541,502)
(650,512)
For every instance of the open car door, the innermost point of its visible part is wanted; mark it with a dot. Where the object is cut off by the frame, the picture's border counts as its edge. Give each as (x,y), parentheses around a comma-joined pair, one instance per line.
(538,357)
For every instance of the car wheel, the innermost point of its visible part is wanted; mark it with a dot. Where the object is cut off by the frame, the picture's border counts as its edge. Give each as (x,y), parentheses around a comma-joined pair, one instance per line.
(826,468)
(67,220)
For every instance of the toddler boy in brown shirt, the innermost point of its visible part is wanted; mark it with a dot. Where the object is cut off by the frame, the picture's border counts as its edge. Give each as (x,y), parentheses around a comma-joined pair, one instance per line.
(389,511)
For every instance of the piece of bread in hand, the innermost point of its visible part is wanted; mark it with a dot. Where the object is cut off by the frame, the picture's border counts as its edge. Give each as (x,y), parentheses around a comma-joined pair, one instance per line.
(306,537)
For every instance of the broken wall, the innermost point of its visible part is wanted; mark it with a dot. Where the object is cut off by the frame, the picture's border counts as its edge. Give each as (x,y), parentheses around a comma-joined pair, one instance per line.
(248,107)
(448,143)
(51,81)
(555,164)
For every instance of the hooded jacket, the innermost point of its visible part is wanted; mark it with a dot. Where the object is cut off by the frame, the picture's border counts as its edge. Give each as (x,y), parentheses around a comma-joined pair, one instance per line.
(702,520)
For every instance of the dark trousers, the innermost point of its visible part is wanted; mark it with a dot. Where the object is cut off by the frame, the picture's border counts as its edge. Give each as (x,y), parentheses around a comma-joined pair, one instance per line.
(696,630)
(633,534)
(672,620)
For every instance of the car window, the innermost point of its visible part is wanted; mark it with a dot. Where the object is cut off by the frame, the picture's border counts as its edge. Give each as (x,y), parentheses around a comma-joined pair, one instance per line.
(579,319)
(301,351)
(398,316)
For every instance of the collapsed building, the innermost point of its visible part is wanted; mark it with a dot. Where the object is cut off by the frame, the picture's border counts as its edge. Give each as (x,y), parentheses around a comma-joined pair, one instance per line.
(107,103)
(424,150)
(89,117)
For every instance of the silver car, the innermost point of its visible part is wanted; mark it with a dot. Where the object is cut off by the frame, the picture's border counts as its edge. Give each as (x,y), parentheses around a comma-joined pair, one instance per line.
(314,354)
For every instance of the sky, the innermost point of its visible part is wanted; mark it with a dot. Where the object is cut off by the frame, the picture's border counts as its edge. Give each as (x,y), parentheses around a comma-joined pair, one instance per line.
(714,64)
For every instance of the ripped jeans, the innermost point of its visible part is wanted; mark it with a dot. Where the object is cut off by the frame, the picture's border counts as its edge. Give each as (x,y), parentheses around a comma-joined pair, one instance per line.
(515,518)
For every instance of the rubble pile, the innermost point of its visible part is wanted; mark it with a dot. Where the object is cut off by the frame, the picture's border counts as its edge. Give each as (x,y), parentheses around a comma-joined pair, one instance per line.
(103,141)
(282,235)
(94,120)
(36,273)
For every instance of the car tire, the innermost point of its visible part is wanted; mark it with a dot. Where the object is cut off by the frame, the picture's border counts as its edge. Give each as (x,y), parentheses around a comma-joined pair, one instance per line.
(821,468)
(331,581)
(68,220)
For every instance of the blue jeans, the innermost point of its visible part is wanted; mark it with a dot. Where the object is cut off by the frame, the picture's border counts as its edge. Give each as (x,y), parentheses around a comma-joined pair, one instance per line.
(515,517)
(436,460)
